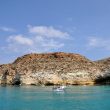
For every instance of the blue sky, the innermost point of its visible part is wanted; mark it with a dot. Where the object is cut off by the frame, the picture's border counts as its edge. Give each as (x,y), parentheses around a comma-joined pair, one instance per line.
(36,26)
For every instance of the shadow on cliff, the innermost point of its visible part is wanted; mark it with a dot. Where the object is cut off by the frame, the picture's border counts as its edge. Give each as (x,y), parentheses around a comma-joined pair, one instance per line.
(16,80)
(103,80)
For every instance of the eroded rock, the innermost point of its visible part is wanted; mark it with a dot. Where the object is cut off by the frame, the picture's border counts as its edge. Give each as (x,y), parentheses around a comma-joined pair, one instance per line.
(52,68)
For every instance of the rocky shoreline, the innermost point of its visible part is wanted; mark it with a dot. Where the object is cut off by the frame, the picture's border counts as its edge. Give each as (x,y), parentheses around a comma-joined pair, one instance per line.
(55,68)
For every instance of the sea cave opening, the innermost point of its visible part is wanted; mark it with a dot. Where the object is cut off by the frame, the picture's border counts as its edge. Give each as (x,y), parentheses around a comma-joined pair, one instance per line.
(103,80)
(16,80)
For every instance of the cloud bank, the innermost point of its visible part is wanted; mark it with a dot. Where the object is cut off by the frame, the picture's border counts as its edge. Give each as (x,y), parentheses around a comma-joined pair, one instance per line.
(37,39)
(49,32)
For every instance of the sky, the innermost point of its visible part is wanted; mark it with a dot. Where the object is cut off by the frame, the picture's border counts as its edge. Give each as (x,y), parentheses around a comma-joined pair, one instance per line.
(39,26)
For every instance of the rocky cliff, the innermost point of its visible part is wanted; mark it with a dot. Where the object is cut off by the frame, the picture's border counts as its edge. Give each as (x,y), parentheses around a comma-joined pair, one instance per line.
(104,66)
(53,68)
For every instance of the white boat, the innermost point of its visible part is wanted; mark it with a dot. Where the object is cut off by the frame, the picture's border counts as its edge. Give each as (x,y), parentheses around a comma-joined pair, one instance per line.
(59,88)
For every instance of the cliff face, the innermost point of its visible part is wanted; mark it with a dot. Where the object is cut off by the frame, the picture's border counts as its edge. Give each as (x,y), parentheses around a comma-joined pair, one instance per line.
(51,68)
(104,66)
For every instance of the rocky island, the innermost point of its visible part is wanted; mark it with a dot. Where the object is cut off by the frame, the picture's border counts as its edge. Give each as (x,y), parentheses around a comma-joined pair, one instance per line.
(55,68)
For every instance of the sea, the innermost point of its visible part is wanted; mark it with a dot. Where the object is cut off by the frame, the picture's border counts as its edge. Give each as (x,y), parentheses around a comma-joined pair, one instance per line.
(44,98)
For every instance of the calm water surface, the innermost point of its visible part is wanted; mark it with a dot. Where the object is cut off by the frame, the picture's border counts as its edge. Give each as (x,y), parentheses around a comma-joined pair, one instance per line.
(43,98)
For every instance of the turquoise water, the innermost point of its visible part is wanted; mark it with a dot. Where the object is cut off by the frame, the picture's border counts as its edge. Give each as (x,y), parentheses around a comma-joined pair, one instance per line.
(43,98)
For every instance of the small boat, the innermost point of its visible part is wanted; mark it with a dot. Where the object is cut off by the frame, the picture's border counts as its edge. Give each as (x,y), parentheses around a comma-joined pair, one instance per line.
(59,88)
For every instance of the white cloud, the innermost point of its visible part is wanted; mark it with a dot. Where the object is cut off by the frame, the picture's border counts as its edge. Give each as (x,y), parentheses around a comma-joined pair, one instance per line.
(44,39)
(47,31)
(96,42)
(7,29)
(20,40)
(52,44)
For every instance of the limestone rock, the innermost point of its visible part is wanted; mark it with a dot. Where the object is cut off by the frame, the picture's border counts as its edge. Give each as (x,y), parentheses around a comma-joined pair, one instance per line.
(51,68)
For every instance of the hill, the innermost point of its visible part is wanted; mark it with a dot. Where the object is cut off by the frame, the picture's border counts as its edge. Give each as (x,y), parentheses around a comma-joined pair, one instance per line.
(52,68)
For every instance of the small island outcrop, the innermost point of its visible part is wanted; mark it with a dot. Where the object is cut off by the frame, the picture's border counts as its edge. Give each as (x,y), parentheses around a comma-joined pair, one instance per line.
(55,68)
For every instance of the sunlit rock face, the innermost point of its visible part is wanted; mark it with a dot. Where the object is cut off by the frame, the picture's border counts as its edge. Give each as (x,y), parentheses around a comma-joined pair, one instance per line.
(50,69)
